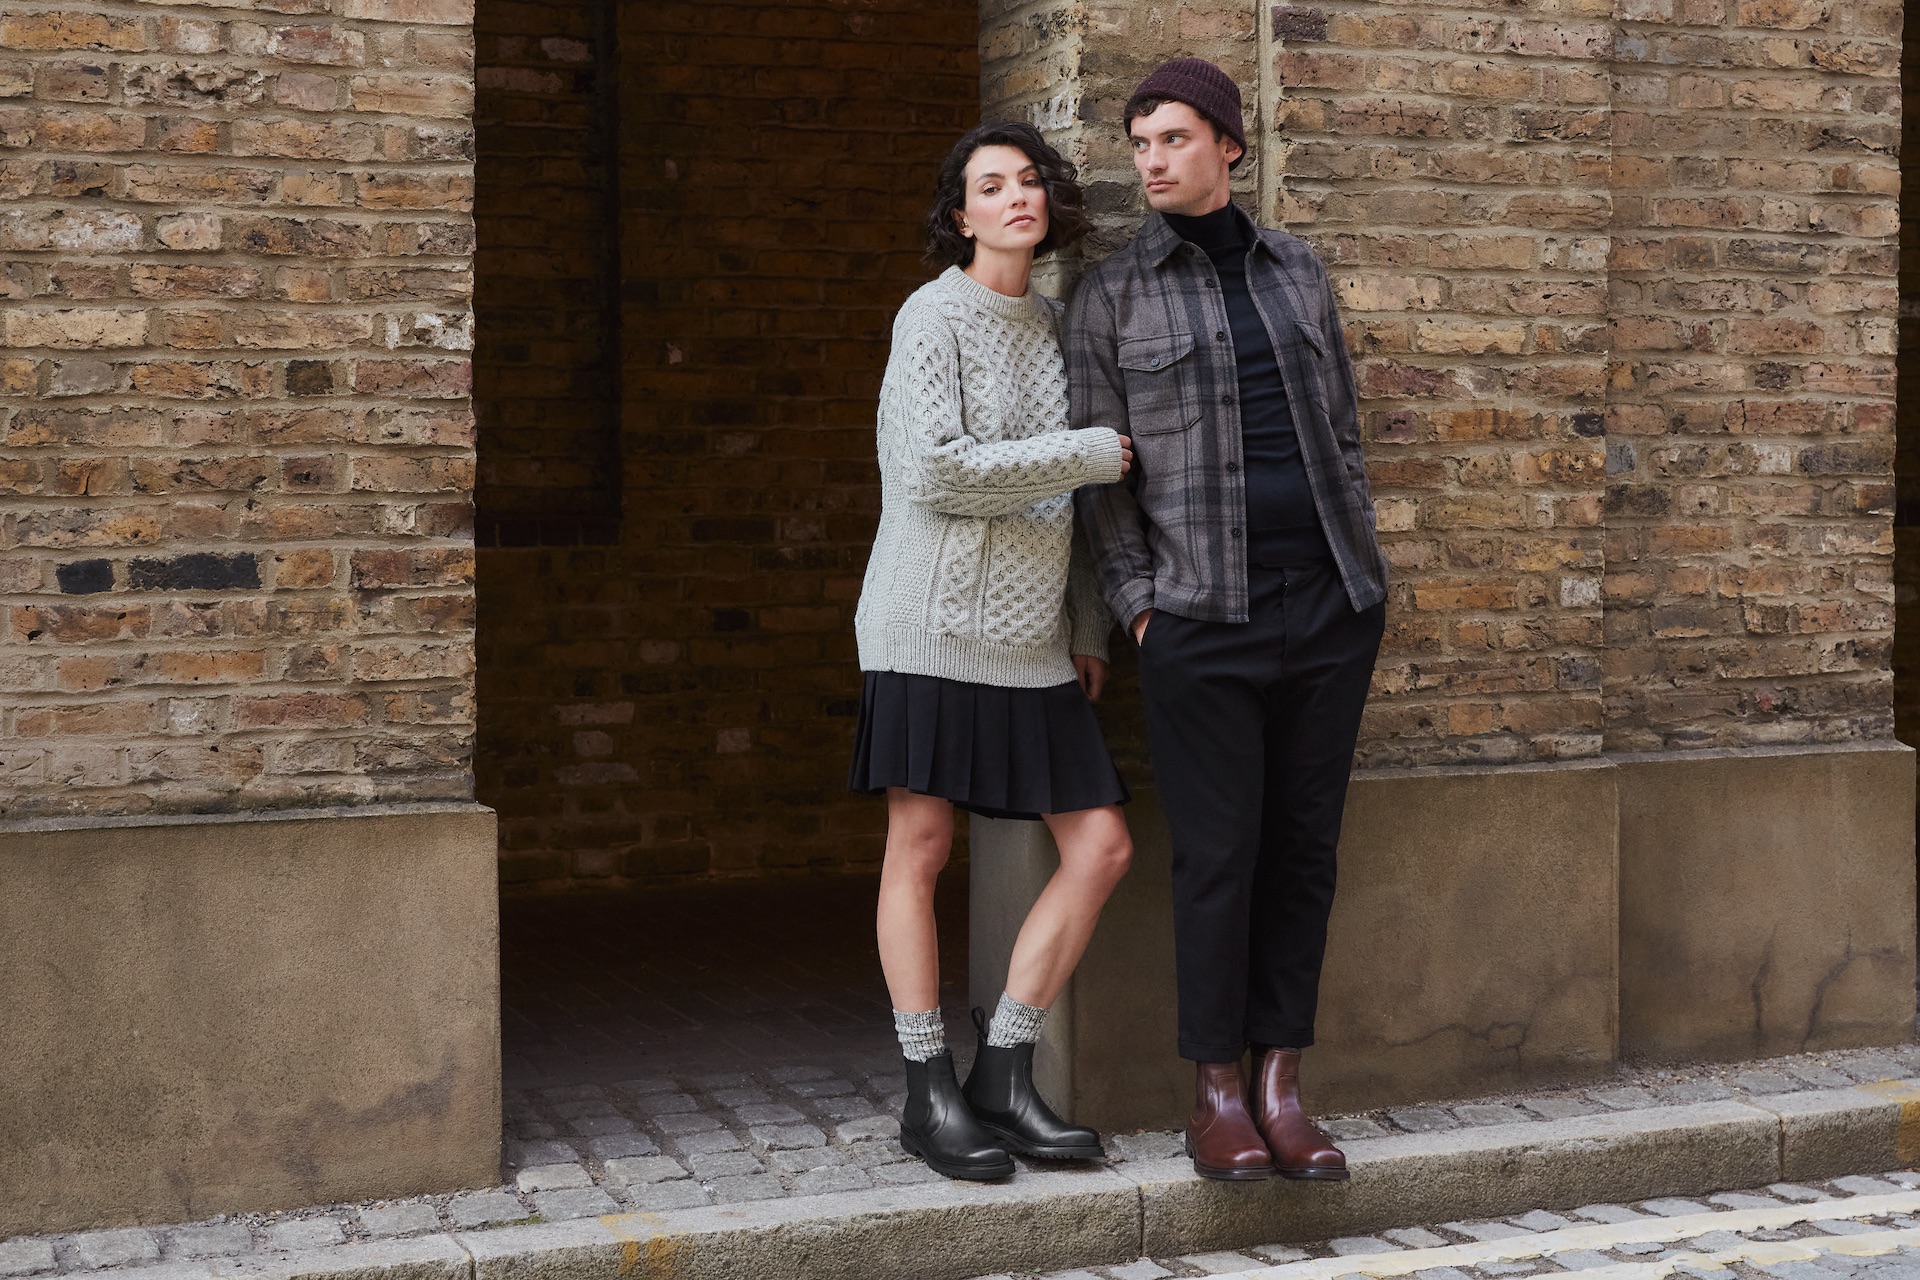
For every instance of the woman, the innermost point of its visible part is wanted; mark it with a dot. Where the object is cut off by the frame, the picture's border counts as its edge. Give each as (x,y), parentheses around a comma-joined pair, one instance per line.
(983,639)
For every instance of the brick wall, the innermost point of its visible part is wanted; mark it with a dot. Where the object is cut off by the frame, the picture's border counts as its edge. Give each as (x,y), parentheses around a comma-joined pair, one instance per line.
(236,556)
(1906,530)
(683,701)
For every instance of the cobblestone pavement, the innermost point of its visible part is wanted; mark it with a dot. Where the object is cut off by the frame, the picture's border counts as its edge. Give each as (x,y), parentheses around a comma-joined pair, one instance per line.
(668,1141)
(1860,1228)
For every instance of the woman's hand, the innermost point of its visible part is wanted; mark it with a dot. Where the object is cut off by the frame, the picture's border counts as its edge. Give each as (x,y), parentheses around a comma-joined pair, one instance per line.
(1126,454)
(1093,674)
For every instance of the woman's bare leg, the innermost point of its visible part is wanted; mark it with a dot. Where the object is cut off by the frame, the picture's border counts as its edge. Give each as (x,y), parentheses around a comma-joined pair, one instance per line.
(919,839)
(1095,851)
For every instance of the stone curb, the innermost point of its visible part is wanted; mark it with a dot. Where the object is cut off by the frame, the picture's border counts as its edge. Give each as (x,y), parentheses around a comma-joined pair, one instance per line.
(1056,1220)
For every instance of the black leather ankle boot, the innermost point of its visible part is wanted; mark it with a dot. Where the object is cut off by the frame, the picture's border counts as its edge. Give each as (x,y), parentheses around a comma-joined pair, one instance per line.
(1001,1094)
(938,1127)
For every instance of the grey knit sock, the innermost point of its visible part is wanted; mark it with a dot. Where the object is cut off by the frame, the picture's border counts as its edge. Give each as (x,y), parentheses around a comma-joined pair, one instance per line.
(922,1035)
(1014,1023)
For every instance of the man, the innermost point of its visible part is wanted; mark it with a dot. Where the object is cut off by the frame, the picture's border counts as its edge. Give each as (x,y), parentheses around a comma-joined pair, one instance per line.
(1241,553)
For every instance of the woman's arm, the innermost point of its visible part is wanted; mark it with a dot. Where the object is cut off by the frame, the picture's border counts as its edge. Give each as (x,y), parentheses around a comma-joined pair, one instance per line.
(950,471)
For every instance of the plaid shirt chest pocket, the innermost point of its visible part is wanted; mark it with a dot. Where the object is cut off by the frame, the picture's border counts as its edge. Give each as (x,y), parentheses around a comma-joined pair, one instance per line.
(1162,380)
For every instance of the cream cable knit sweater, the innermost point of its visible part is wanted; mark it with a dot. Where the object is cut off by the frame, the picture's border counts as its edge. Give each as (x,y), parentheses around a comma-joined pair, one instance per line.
(976,572)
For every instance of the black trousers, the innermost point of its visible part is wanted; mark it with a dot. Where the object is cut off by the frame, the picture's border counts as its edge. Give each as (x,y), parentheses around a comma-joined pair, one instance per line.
(1252,728)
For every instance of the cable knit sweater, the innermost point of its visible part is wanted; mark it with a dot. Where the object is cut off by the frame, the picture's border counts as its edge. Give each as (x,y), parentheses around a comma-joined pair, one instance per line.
(976,572)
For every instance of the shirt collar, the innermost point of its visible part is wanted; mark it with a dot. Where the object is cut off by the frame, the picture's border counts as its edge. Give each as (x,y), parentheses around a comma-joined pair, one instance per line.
(1158,241)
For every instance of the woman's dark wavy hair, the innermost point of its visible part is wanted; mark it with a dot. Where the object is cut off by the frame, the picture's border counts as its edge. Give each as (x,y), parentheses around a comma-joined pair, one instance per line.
(1067,219)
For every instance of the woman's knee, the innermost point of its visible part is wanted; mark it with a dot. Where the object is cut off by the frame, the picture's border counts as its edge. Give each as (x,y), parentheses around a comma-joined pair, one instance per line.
(1104,855)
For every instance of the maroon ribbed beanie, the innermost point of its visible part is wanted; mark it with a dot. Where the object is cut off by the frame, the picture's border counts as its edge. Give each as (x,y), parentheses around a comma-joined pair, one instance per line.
(1202,86)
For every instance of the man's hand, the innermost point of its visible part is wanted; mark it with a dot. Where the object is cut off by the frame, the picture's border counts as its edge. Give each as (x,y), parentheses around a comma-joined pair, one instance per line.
(1126,454)
(1093,674)
(1140,627)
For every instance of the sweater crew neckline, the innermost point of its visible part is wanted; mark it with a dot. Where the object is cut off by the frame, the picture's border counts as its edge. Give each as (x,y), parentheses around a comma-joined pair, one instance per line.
(991,300)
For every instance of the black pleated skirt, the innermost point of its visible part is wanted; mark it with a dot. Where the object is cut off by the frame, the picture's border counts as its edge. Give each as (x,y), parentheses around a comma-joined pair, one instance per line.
(1000,753)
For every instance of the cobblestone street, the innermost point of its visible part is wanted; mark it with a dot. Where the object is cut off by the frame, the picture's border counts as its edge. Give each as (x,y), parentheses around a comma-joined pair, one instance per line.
(1868,1228)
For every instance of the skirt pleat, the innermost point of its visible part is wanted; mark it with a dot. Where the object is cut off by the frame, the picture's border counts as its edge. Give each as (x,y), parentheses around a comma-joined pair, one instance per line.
(998,752)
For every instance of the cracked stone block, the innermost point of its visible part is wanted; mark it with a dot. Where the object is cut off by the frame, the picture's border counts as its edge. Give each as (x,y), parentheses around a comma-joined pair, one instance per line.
(724,1164)
(1422,1119)
(825,1088)
(1820,1077)
(737,1098)
(601,1126)
(1219,1264)
(1347,1130)
(1713,1242)
(1743,1200)
(1280,1253)
(831,1178)
(399,1220)
(1348,1246)
(685,1122)
(668,1104)
(305,1233)
(871,1155)
(218,1241)
(1638,1247)
(1674,1207)
(97,1249)
(1608,1213)
(525,1155)
(638,1170)
(1797,1193)
(485,1208)
(1562,1108)
(620,1146)
(1628,1099)
(645,1086)
(1865,1186)
(805,1158)
(695,1144)
(1842,1227)
(900,1175)
(1416,1238)
(753,1186)
(1145,1146)
(768,1113)
(1145,1269)
(1541,1220)
(552,1177)
(1764,1082)
(850,1107)
(577,1202)
(786,1137)
(26,1257)
(1485,1113)
(669,1195)
(1581,1259)
(1486,1230)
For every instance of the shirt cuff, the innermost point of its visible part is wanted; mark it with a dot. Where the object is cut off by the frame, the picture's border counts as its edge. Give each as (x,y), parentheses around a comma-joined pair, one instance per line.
(1132,598)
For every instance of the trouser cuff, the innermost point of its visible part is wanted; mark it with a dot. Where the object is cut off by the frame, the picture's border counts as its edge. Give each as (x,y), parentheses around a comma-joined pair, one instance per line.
(1193,1052)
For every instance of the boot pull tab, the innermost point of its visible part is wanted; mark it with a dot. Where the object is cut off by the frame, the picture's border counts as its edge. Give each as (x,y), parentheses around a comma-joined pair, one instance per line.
(980,1021)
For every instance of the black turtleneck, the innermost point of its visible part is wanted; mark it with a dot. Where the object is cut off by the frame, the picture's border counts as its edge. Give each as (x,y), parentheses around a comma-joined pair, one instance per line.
(1282,524)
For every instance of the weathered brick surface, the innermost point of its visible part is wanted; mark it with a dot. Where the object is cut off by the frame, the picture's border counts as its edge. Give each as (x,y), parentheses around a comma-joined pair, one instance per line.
(234,433)
(682,701)
(1906,531)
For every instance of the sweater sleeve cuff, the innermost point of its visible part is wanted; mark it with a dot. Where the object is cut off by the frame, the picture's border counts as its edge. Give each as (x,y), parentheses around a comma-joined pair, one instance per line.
(1090,634)
(1103,454)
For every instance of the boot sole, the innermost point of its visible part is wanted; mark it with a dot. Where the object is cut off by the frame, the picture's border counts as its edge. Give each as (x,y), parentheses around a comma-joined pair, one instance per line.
(1255,1174)
(1013,1142)
(1316,1175)
(958,1172)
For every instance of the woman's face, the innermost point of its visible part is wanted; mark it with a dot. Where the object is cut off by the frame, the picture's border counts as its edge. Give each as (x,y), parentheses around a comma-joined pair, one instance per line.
(1006,206)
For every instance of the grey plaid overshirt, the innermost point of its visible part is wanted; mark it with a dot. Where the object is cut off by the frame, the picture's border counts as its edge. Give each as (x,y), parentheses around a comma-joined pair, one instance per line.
(1150,354)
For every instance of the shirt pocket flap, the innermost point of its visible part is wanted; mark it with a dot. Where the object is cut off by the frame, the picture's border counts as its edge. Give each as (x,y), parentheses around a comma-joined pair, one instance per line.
(1311,335)
(1149,355)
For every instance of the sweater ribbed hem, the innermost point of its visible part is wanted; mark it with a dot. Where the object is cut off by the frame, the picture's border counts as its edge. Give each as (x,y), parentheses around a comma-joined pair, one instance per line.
(915,652)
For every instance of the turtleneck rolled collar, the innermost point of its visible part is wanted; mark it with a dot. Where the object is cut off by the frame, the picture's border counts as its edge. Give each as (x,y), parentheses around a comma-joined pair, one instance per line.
(1214,232)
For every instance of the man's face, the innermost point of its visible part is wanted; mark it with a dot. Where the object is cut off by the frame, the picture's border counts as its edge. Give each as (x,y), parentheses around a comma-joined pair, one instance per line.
(1181,162)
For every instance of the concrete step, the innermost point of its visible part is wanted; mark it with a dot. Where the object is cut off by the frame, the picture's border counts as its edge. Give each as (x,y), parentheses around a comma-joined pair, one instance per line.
(1094,1215)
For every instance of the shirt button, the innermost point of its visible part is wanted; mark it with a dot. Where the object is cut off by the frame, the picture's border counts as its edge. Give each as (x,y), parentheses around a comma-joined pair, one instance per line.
(1226,399)
(1233,533)
(1155,362)
(1233,466)
(1220,335)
